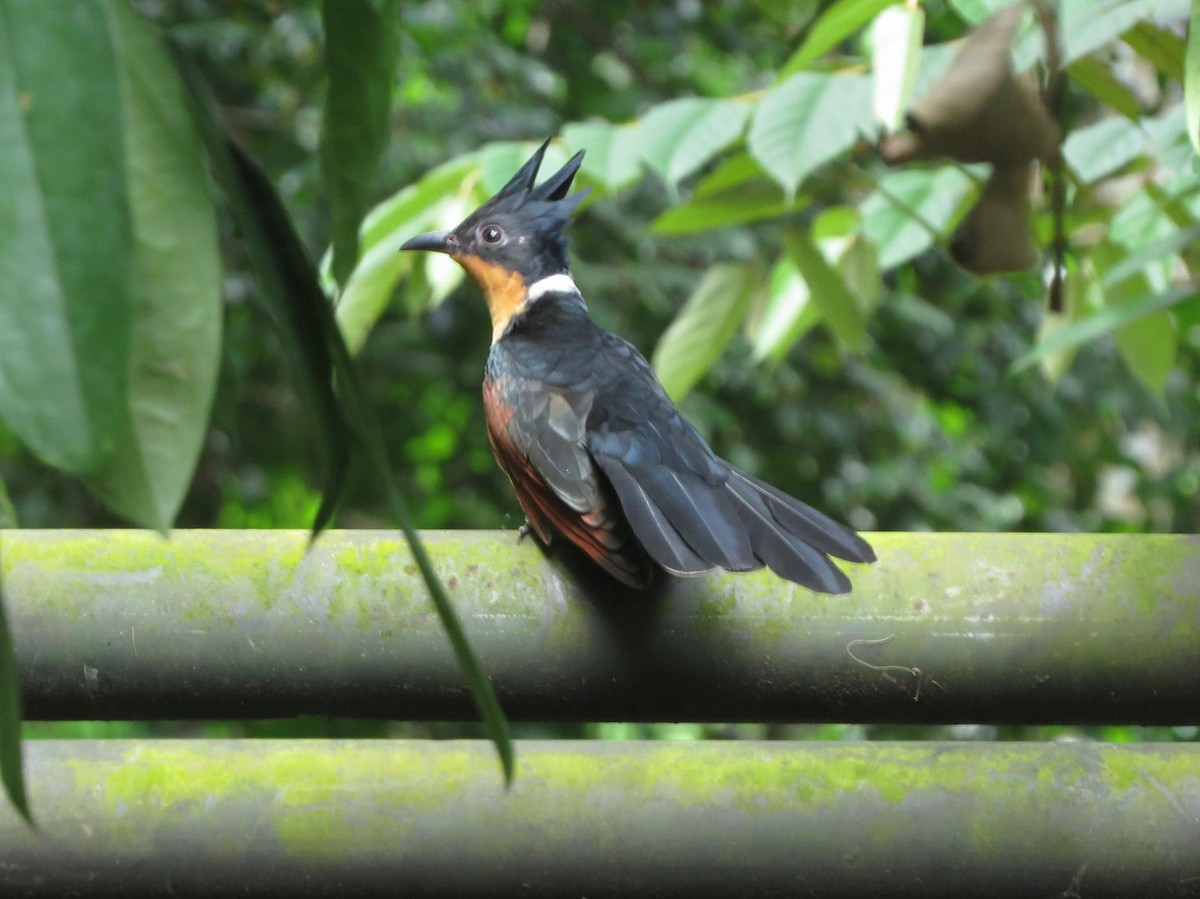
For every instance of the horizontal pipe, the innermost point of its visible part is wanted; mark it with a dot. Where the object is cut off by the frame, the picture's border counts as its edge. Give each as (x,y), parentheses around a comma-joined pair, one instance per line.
(392,818)
(983,628)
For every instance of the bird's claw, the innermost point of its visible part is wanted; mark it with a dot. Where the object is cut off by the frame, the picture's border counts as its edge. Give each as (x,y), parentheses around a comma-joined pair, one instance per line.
(524,531)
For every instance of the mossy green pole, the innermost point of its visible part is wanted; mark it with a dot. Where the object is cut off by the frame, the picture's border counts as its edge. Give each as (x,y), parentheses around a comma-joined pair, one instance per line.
(983,628)
(318,818)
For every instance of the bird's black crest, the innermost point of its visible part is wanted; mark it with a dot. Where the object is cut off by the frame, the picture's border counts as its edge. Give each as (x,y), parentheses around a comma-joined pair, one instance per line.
(548,202)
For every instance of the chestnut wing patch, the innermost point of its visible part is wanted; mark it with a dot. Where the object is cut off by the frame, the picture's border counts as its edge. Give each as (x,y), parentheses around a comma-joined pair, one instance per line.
(538,435)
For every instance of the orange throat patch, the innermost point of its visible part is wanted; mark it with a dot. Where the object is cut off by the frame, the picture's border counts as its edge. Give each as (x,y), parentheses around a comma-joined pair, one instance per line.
(504,291)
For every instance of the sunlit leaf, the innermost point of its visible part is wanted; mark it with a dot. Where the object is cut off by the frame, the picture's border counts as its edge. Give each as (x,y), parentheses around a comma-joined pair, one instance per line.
(681,136)
(1134,262)
(360,56)
(1191,87)
(1103,322)
(858,264)
(975,11)
(1087,25)
(736,170)
(787,315)
(176,287)
(698,335)
(612,151)
(896,37)
(910,210)
(806,121)
(827,289)
(65,310)
(750,203)
(1098,79)
(418,207)
(1161,48)
(836,23)
(1101,149)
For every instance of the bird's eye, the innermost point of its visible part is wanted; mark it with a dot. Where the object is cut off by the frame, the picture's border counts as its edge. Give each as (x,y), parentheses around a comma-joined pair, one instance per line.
(491,234)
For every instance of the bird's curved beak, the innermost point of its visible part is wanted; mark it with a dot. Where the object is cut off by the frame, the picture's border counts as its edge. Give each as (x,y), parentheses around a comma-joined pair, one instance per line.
(437,241)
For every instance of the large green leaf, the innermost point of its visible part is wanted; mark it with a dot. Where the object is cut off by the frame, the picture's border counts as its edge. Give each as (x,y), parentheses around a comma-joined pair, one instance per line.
(837,23)
(612,151)
(416,208)
(750,203)
(680,136)
(706,323)
(806,121)
(1160,47)
(1100,149)
(911,209)
(1087,25)
(1095,76)
(1103,322)
(360,54)
(65,314)
(788,313)
(827,289)
(896,37)
(1191,85)
(176,287)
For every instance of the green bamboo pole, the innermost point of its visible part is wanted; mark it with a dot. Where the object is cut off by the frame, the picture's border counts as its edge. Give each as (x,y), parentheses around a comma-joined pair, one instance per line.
(984,628)
(316,818)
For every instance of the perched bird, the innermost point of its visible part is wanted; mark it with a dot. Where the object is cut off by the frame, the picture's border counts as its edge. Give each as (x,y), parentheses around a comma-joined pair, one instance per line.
(587,435)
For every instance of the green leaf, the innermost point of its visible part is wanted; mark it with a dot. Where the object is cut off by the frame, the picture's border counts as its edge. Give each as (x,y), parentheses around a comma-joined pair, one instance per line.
(975,11)
(612,151)
(750,203)
(1095,77)
(1149,346)
(736,170)
(1148,343)
(1087,25)
(806,121)
(896,37)
(1104,147)
(311,320)
(837,23)
(1191,87)
(416,208)
(8,512)
(788,315)
(314,343)
(1106,320)
(706,323)
(1161,48)
(280,266)
(65,315)
(1133,263)
(11,769)
(681,136)
(911,210)
(360,54)
(176,287)
(827,289)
